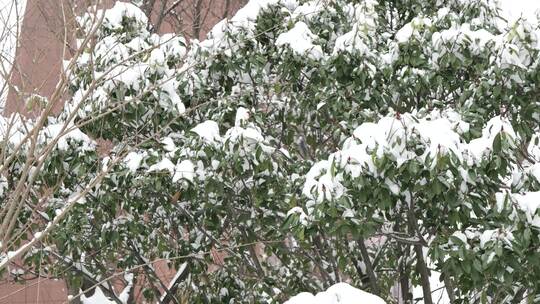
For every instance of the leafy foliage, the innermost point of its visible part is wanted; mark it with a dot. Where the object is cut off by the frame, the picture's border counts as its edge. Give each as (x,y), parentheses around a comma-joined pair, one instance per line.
(370,141)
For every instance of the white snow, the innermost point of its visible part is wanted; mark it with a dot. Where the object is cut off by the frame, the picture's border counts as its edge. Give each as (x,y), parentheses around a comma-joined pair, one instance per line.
(157,57)
(438,133)
(405,33)
(340,293)
(308,10)
(486,236)
(118,61)
(164,164)
(137,44)
(302,215)
(246,16)
(168,144)
(113,17)
(320,184)
(97,298)
(478,147)
(250,135)
(130,75)
(461,236)
(513,9)
(529,202)
(534,147)
(462,35)
(351,41)
(242,116)
(173,44)
(364,17)
(74,134)
(251,10)
(3,186)
(208,130)
(290,5)
(133,160)
(411,29)
(184,170)
(109,50)
(124,295)
(300,40)
(169,87)
(12,129)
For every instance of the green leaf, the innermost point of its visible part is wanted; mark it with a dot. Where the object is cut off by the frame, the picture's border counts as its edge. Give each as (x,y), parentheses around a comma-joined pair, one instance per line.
(497,143)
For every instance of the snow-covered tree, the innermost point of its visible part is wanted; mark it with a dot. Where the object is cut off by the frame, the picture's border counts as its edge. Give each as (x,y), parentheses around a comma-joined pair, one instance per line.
(302,144)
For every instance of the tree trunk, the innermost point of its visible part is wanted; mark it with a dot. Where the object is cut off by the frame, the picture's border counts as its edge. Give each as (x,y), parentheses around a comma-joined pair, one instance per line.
(369,266)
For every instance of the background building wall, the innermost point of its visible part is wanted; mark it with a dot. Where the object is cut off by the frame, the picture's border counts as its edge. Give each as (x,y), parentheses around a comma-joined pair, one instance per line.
(47,37)
(11,12)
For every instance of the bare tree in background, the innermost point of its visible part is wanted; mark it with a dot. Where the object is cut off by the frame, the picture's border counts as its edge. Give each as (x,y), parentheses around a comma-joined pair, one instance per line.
(187,18)
(10,21)
(50,31)
(192,18)
(24,195)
